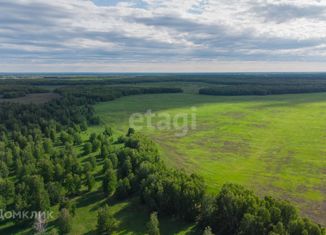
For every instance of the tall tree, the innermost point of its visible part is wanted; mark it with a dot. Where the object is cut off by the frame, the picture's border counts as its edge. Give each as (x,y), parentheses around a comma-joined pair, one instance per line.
(110,182)
(106,223)
(65,221)
(153,225)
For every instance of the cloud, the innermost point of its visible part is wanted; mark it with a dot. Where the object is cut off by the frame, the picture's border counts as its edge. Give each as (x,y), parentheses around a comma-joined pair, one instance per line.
(285,12)
(148,31)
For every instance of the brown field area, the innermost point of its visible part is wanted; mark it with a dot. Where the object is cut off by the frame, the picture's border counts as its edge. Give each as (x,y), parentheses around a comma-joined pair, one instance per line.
(37,98)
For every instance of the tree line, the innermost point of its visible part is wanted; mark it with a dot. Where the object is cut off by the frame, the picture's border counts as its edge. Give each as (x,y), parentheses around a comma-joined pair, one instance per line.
(106,93)
(262,90)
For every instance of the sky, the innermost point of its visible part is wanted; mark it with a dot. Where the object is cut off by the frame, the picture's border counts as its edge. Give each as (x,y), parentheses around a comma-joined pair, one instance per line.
(162,35)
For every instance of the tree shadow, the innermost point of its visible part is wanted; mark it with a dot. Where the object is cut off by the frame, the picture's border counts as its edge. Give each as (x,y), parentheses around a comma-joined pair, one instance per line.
(90,198)
(134,217)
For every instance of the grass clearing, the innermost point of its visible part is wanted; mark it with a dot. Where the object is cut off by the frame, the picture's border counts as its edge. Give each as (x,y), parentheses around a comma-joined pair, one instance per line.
(273,144)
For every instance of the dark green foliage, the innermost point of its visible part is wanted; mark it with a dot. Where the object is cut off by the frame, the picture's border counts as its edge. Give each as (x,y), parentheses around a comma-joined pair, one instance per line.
(65,221)
(56,192)
(67,204)
(87,167)
(4,171)
(123,188)
(130,131)
(46,169)
(153,225)
(66,138)
(96,145)
(105,93)
(262,89)
(108,131)
(238,211)
(106,223)
(73,184)
(208,231)
(7,190)
(173,193)
(87,148)
(2,203)
(109,183)
(107,165)
(34,194)
(92,161)
(90,181)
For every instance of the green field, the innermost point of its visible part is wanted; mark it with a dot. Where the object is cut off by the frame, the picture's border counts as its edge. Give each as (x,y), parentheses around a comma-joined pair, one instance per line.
(274,145)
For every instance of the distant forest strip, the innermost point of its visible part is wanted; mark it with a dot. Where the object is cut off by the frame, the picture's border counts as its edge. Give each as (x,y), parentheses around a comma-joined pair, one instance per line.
(105,93)
(218,79)
(241,90)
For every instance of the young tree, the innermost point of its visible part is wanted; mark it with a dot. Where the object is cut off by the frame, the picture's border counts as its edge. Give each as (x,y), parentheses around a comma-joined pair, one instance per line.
(48,146)
(87,167)
(2,203)
(106,223)
(77,138)
(56,192)
(92,160)
(108,131)
(130,132)
(90,181)
(46,169)
(66,138)
(87,148)
(37,196)
(107,165)
(69,205)
(153,225)
(126,168)
(123,188)
(96,145)
(59,172)
(92,137)
(4,171)
(73,184)
(109,182)
(65,221)
(104,151)
(208,231)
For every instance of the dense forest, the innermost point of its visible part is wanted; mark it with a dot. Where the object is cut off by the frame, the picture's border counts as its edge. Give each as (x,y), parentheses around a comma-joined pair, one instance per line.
(239,90)
(218,78)
(228,84)
(40,168)
(14,91)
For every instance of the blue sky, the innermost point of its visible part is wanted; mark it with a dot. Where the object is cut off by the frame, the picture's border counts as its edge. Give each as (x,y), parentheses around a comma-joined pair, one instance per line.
(162,36)
(105,2)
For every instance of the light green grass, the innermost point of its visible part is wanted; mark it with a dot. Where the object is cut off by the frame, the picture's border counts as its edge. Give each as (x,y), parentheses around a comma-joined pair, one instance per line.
(275,145)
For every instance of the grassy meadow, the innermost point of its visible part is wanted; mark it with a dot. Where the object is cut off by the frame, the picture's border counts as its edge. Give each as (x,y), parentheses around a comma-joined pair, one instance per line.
(273,144)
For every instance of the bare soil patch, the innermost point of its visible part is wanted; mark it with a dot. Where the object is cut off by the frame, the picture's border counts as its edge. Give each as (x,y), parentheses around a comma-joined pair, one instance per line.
(37,98)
